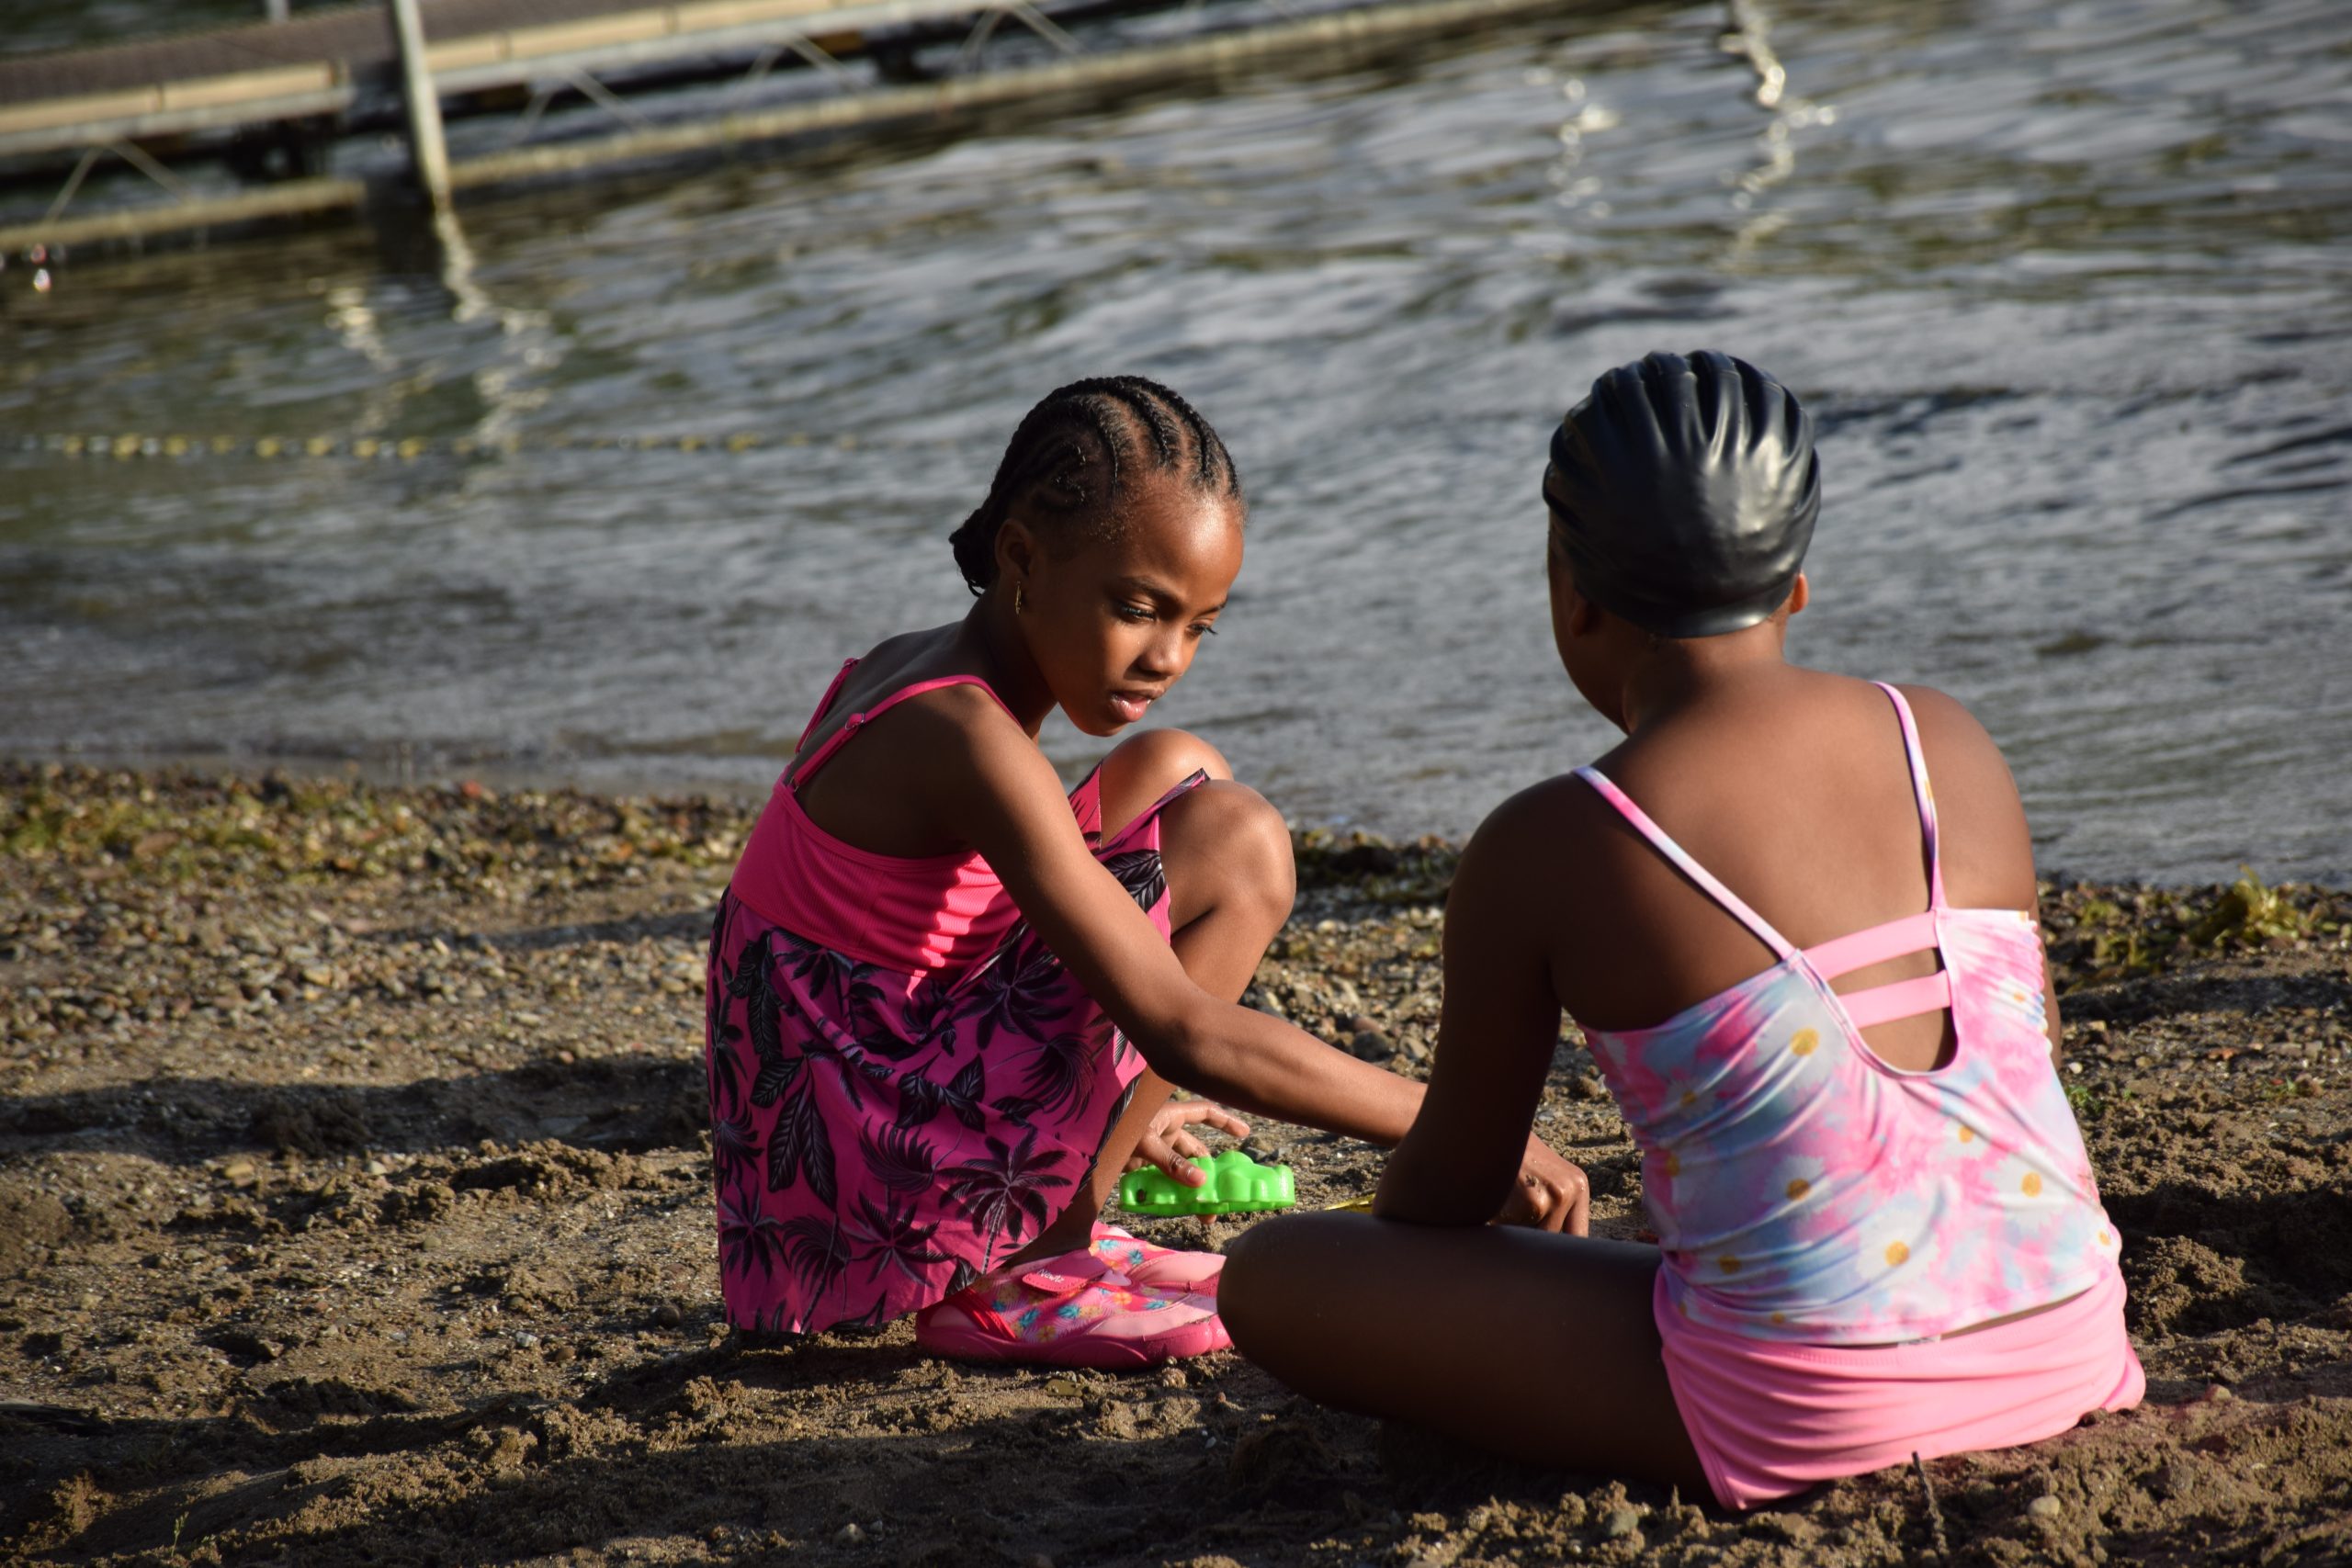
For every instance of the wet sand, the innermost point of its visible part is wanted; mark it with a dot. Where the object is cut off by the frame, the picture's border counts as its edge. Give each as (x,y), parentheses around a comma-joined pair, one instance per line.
(355,1208)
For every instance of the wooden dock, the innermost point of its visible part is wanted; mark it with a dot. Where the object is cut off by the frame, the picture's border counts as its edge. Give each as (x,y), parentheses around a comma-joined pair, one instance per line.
(317,67)
(316,61)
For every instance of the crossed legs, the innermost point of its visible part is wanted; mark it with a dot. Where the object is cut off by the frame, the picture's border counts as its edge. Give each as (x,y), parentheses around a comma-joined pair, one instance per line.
(1540,1348)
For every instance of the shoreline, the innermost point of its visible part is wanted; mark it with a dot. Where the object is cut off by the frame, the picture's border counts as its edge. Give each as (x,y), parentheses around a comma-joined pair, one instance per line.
(354,1205)
(741,787)
(396,769)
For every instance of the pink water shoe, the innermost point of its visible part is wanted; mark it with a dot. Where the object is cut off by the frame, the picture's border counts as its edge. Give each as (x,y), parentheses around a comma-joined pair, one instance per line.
(1147,1264)
(1070,1311)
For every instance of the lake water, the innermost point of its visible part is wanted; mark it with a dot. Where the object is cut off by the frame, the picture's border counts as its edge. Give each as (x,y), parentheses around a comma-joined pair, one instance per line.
(2067,287)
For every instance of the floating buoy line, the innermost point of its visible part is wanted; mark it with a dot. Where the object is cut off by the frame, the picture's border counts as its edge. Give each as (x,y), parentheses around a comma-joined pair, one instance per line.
(129,446)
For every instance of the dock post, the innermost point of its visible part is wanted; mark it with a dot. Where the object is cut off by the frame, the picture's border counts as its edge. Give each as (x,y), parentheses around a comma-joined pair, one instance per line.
(426,145)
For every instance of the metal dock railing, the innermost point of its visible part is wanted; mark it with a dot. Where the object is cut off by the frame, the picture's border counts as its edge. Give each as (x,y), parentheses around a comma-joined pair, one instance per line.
(317,74)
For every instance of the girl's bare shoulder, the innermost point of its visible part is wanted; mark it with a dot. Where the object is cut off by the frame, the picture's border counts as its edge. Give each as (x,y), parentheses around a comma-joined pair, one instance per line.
(1987,847)
(1950,735)
(1555,838)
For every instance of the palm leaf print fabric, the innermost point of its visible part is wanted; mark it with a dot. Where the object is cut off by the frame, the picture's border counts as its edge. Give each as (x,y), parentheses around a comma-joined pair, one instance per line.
(880,1136)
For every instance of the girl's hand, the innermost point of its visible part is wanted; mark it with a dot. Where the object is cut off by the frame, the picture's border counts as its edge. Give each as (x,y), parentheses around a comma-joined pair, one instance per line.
(1551,1194)
(1166,1143)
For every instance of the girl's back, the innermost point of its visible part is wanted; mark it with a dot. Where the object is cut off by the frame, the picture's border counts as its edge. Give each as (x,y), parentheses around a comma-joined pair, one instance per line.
(1806,1183)
(1791,788)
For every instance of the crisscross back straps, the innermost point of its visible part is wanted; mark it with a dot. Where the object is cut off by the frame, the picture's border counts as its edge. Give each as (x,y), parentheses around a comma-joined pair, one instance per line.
(1856,950)
(1699,874)
(858,721)
(1898,999)
(1859,950)
(1920,792)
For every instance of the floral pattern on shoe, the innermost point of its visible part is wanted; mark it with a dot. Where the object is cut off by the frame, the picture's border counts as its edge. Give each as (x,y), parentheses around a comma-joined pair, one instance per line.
(1148,1265)
(1071,1311)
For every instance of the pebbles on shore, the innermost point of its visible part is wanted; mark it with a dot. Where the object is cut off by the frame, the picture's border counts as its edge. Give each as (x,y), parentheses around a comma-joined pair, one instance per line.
(330,1109)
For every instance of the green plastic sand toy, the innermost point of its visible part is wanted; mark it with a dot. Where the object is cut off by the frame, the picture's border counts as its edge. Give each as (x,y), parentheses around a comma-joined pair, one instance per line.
(1236,1184)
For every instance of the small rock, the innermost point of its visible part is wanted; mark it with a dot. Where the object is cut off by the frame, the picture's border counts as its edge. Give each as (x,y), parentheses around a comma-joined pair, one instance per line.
(525,1339)
(852,1532)
(2045,1508)
(1590,1086)
(2176,1479)
(667,1316)
(1620,1524)
(1372,1045)
(2218,1393)
(1174,1377)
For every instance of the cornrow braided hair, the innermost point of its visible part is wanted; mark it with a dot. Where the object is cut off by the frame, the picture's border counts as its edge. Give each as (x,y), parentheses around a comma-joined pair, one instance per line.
(1069,464)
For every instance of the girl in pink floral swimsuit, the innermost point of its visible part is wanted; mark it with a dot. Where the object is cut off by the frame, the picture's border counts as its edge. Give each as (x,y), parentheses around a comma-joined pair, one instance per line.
(1815,987)
(947,1001)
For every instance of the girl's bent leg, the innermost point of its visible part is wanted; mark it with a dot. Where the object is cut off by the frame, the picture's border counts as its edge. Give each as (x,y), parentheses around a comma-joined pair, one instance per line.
(1540,1348)
(1226,852)
(1225,849)
(1142,768)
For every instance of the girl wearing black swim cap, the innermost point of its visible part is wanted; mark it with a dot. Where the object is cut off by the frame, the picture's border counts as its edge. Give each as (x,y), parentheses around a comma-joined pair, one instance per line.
(1815,988)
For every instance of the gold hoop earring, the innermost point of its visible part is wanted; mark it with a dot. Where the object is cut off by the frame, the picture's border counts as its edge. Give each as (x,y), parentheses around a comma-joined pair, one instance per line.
(1019,604)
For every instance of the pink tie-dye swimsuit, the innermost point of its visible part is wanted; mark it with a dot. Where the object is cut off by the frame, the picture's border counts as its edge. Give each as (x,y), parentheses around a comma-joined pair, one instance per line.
(1824,1217)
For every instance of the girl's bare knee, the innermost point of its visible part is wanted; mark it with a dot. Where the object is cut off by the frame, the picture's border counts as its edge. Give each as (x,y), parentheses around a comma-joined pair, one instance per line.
(1277,1282)
(1159,758)
(1250,1258)
(1264,837)
(1247,840)
(1142,768)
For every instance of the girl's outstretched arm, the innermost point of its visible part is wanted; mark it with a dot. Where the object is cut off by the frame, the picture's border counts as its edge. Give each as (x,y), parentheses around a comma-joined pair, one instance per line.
(989,785)
(1496,1036)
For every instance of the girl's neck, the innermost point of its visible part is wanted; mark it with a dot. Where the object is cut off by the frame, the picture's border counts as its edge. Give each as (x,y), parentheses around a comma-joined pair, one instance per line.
(1677,675)
(993,647)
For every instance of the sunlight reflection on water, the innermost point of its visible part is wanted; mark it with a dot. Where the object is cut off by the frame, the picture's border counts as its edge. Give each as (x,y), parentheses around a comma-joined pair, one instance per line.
(2066,291)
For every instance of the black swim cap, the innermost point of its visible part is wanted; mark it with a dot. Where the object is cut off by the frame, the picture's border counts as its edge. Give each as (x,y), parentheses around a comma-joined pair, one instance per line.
(1684,492)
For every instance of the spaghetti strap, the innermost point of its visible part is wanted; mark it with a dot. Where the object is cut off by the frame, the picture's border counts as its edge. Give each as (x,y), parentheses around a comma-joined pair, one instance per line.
(826,705)
(857,721)
(1921,792)
(1705,879)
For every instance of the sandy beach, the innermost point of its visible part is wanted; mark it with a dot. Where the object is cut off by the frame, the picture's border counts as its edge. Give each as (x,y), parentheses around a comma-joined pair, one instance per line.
(354,1207)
